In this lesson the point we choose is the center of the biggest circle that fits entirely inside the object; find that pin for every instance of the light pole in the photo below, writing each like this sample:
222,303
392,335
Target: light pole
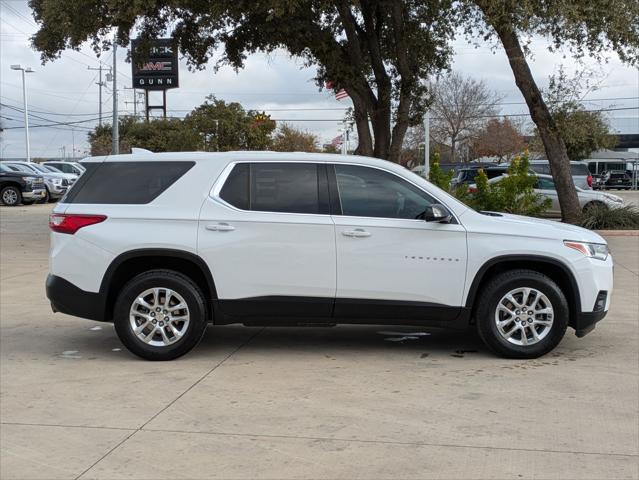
26,112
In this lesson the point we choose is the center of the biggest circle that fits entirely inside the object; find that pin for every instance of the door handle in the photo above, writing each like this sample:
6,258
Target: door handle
357,233
220,227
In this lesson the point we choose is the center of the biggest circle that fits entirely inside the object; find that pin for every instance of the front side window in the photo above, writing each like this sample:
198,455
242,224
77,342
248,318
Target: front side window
274,187
545,184
369,192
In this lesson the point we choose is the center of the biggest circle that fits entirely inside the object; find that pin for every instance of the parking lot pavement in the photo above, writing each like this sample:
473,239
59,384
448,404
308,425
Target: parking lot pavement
306,402
630,197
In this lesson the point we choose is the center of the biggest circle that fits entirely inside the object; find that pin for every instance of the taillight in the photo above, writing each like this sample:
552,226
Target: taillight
71,223
589,180
472,189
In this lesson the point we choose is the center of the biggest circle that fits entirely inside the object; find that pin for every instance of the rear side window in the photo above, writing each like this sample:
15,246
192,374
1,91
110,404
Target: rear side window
579,169
540,168
131,183
277,187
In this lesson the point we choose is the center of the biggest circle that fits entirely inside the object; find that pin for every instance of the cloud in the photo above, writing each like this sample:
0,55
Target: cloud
66,91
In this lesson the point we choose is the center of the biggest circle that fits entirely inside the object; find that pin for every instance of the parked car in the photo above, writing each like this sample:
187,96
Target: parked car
19,187
617,179
545,187
162,244
56,184
597,182
74,168
465,176
581,175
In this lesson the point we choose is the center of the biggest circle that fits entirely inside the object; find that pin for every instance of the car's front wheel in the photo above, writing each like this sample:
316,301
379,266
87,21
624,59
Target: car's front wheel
10,196
521,314
160,315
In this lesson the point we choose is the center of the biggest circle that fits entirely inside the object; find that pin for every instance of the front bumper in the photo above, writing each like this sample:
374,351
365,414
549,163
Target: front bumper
586,322
67,298
35,194
57,191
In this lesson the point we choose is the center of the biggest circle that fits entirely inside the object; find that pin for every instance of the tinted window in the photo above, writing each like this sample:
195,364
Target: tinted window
579,169
495,172
126,182
540,168
236,188
284,187
369,192
545,184
274,187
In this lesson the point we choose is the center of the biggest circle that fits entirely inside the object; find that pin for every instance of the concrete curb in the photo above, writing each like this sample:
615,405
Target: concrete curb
618,233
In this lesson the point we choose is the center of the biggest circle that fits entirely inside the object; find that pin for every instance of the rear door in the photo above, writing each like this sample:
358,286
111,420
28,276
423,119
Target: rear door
269,240
390,264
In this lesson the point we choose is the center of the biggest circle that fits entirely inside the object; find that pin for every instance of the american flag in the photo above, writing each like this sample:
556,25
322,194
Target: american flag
339,95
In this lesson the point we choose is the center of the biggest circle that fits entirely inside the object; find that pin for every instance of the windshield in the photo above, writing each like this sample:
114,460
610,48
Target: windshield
39,168
20,168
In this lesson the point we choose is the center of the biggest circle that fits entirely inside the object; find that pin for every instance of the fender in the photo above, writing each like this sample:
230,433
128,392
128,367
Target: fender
107,279
574,302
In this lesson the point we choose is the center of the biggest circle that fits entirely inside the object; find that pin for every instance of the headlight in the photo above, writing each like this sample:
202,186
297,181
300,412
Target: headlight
29,179
613,198
593,250
57,181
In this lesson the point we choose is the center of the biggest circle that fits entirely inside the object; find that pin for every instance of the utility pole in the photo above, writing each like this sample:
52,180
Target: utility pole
426,144
344,138
135,100
26,110
115,133
100,84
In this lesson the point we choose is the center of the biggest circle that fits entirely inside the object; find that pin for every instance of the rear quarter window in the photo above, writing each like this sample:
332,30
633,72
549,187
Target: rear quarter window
132,183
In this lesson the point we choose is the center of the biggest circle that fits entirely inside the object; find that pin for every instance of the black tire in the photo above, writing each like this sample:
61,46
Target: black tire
180,284
10,196
46,198
489,298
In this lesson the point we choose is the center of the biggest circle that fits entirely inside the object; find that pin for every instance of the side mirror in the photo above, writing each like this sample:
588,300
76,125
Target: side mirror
436,213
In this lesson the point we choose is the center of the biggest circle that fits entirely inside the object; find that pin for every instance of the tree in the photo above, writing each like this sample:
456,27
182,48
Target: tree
583,131
581,27
158,135
459,109
380,52
227,126
499,138
214,125
290,139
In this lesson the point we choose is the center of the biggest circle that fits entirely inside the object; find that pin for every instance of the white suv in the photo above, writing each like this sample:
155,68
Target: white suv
162,244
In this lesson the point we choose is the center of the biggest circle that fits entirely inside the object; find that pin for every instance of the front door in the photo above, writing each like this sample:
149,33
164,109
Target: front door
546,188
269,241
391,264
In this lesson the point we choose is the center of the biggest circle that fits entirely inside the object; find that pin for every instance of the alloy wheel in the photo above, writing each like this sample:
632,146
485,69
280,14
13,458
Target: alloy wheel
524,316
159,316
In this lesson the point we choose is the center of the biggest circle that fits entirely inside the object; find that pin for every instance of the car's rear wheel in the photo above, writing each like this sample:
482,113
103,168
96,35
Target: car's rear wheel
160,315
10,196
521,314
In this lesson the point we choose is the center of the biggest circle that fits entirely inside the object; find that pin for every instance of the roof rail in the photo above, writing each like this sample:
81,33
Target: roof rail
138,151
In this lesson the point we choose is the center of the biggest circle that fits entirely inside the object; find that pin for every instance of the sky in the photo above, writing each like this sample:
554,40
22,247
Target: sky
65,90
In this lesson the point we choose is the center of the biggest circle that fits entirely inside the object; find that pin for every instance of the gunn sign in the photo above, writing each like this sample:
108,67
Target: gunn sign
158,70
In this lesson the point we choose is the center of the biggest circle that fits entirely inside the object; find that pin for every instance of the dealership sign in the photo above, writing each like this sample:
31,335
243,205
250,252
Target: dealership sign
158,70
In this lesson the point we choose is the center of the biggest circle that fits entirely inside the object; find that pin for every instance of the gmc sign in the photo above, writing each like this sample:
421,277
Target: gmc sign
158,70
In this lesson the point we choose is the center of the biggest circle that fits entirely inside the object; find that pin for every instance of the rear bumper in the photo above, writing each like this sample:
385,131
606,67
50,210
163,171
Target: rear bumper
67,298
